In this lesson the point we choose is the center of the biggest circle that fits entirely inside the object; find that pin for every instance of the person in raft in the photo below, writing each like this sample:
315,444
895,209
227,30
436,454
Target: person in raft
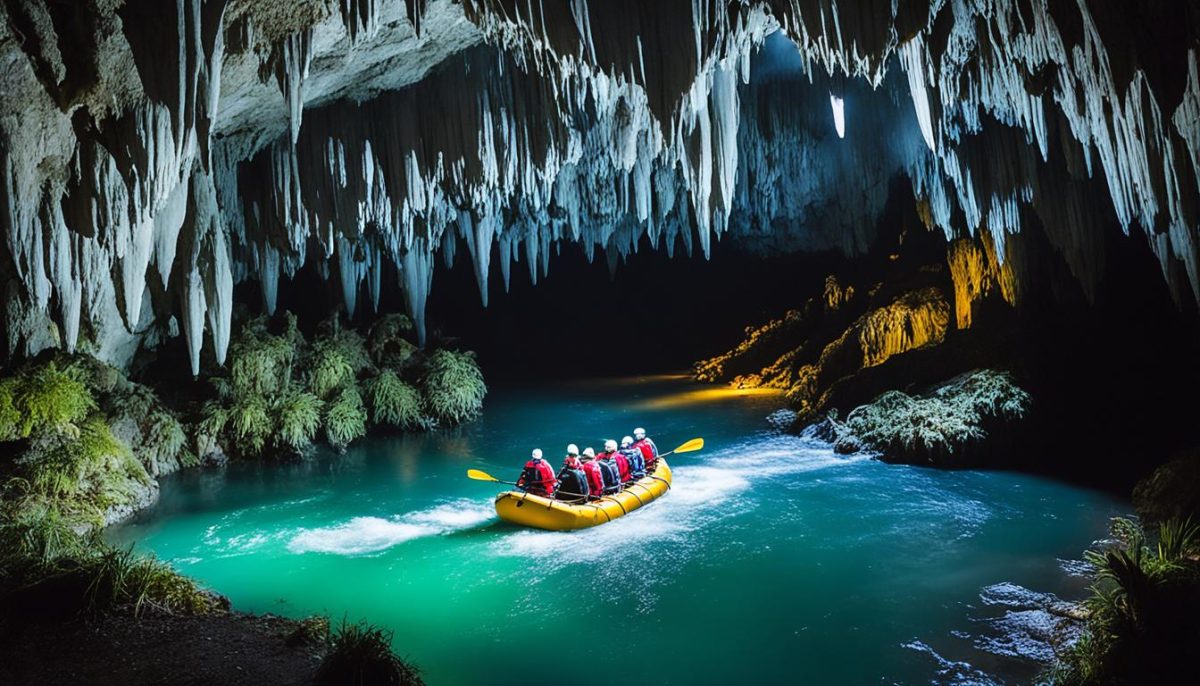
616,457
538,476
572,481
608,468
634,457
644,443
591,469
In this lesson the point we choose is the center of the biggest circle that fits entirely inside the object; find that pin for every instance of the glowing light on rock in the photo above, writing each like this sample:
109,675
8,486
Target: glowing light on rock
839,114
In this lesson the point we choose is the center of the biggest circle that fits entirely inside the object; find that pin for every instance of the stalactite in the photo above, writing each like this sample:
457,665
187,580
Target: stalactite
604,124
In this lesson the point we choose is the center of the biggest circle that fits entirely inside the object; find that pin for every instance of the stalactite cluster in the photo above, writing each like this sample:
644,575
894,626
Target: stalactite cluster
153,154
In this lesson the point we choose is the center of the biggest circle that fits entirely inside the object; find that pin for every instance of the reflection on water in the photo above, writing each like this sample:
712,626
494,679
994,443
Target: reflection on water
771,560
712,394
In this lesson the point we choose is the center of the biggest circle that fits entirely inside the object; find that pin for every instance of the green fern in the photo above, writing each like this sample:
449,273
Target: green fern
52,399
395,402
250,424
299,417
345,419
329,369
453,387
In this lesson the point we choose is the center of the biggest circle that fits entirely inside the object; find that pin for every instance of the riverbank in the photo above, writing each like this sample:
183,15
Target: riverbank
221,649
85,447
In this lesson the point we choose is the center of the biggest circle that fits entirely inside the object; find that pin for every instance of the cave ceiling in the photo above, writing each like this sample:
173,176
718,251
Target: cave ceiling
153,153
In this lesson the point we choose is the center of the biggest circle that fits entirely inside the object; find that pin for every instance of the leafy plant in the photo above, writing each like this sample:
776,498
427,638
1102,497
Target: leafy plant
345,418
1177,538
51,399
250,424
395,402
261,363
329,369
453,387
362,654
164,446
299,417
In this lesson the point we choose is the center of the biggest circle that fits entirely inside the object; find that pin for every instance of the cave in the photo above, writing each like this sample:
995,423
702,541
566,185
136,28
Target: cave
877,324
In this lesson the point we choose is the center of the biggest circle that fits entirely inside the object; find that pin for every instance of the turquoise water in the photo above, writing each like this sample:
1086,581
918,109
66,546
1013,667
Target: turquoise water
772,560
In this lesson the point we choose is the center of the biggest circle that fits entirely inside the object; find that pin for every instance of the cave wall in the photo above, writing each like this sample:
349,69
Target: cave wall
153,154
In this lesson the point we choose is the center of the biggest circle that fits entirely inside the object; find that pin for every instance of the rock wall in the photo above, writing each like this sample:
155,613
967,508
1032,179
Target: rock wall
154,153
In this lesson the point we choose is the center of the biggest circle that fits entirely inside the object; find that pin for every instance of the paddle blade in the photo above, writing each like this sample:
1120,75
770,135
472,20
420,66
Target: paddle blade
480,476
692,445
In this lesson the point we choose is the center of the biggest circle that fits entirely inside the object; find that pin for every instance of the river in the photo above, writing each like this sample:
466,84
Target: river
772,559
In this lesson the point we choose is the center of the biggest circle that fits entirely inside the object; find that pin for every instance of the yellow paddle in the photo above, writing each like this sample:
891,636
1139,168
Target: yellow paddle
691,446
484,476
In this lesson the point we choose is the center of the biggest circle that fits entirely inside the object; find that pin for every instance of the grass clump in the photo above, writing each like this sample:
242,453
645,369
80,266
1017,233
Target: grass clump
1144,610
362,654
454,387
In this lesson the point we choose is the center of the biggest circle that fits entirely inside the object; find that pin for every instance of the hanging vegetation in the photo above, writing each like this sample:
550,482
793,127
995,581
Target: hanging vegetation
282,392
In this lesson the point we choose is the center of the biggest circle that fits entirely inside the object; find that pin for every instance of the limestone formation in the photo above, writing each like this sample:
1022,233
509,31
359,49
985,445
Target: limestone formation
153,153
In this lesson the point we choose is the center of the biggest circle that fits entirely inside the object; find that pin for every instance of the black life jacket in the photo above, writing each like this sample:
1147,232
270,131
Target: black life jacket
611,474
637,463
572,484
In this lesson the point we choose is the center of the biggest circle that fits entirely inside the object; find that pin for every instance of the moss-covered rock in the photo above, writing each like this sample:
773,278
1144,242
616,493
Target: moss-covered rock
947,427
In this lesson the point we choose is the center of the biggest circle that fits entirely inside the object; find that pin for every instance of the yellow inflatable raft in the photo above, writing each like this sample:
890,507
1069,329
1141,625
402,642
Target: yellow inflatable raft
545,513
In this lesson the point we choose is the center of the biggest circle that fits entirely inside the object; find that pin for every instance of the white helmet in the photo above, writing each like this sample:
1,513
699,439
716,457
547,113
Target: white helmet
610,445
626,442
572,449
588,452
639,433
537,453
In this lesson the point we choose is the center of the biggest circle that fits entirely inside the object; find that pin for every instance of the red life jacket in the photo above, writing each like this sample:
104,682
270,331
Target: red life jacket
545,482
622,465
595,479
648,450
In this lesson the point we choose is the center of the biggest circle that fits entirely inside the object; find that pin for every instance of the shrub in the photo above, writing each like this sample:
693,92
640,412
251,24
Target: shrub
213,419
1142,613
395,402
299,416
250,424
261,363
164,445
453,387
329,369
51,399
362,654
59,466
345,418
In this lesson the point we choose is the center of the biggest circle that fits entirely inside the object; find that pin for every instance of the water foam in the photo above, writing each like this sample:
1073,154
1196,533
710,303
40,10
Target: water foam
363,535
701,495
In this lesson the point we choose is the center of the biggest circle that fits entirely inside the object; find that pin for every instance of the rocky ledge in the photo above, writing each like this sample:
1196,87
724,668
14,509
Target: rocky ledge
958,423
